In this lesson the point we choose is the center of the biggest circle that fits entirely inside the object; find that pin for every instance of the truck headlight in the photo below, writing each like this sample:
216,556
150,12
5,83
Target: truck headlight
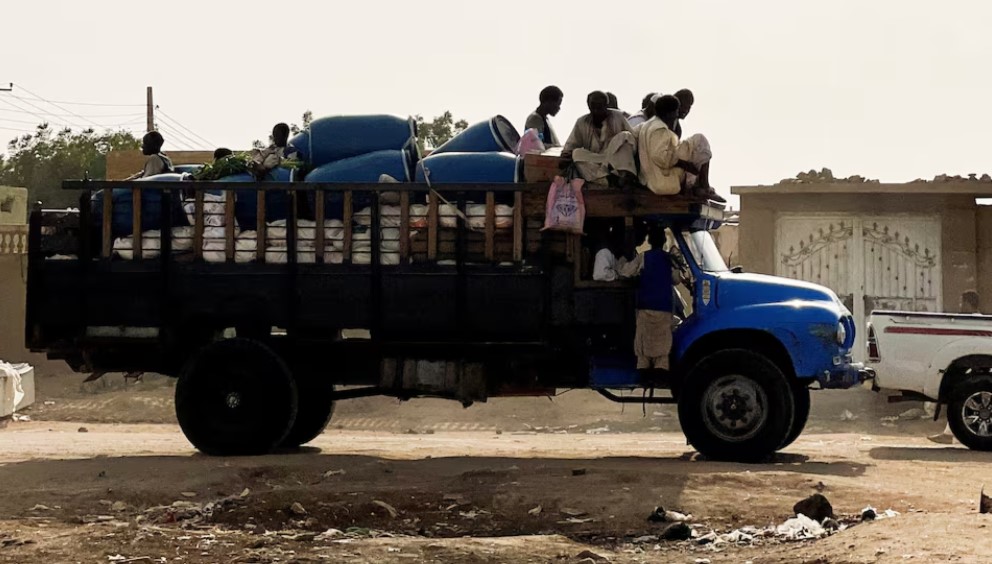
841,333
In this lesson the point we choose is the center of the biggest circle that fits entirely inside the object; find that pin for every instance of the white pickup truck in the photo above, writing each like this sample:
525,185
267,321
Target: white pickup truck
941,358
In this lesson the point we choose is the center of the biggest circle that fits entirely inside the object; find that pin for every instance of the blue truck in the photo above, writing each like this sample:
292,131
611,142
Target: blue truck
411,290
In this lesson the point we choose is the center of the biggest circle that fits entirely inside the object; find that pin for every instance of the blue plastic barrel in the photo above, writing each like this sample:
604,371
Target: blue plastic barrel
340,137
301,141
122,218
246,201
455,168
493,135
363,168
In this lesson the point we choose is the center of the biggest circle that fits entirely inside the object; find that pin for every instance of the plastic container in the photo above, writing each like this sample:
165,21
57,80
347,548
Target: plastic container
340,137
246,202
493,135
122,221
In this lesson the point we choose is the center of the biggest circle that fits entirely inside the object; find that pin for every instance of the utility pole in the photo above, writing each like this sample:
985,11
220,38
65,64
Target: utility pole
150,126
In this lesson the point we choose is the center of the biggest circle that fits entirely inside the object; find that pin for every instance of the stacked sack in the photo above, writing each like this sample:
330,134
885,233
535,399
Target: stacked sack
362,149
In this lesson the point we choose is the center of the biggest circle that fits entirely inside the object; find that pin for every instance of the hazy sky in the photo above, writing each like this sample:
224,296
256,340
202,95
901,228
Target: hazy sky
887,89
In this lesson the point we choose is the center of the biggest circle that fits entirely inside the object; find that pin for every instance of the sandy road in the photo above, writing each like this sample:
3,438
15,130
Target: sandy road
447,486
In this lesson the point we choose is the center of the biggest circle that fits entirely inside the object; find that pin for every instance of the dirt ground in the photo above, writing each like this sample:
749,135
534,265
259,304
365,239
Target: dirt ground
102,474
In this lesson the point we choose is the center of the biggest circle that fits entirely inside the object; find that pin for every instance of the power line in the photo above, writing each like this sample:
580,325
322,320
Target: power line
43,119
57,106
132,114
91,104
180,140
176,122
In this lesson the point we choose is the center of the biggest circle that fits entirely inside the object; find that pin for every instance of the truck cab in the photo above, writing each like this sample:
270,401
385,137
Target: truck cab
267,328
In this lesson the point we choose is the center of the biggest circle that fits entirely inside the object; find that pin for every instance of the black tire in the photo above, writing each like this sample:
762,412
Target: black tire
236,397
800,397
969,412
314,413
730,387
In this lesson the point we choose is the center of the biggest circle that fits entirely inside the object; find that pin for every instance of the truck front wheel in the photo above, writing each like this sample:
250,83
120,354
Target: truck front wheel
969,413
236,397
736,405
800,396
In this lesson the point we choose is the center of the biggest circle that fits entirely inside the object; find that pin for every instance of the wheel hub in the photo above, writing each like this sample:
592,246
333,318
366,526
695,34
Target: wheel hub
734,408
977,414
232,400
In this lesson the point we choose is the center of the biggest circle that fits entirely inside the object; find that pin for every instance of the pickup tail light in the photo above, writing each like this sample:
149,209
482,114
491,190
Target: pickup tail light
873,353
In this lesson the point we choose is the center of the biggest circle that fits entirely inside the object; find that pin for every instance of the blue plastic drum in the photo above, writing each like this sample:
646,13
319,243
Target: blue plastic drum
122,219
340,137
363,168
494,135
455,168
301,141
246,201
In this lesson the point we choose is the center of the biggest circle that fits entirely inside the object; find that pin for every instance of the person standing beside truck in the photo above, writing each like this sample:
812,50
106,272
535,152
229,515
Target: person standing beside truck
655,302
969,306
550,104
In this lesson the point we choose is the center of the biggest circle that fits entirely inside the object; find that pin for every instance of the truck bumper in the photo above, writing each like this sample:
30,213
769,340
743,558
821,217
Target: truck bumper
845,376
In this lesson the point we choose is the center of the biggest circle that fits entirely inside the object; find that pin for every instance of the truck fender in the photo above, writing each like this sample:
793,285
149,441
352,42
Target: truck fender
973,348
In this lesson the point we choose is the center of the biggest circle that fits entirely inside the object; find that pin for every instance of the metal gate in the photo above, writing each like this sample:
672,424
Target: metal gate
872,262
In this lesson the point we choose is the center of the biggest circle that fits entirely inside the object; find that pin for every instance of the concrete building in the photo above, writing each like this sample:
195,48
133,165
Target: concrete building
13,272
914,246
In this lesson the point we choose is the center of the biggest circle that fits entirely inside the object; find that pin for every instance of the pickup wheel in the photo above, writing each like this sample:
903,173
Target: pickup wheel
800,396
736,405
969,413
314,413
236,397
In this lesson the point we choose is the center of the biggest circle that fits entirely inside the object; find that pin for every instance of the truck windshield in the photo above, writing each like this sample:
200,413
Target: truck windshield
705,251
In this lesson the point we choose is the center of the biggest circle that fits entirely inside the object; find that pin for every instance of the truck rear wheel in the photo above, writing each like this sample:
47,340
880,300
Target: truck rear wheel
236,397
969,413
314,413
736,405
800,397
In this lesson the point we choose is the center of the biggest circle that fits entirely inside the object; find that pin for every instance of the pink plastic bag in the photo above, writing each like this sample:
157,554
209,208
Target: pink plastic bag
566,208
529,142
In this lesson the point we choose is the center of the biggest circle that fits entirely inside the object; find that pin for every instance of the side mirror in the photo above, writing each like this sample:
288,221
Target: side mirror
737,270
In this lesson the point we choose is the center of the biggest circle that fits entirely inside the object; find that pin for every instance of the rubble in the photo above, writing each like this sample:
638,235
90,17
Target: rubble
911,414
826,175
800,527
389,508
297,509
816,507
661,515
676,532
590,555
984,502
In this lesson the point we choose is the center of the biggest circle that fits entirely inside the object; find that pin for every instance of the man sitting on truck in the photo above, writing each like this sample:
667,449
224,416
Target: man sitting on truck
602,145
156,162
655,302
668,166
550,104
646,113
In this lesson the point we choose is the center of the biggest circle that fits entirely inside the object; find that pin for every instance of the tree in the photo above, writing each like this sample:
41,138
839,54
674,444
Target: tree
432,134
40,161
307,120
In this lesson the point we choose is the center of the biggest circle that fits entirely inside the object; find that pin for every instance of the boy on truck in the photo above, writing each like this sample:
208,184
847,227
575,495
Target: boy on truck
156,162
